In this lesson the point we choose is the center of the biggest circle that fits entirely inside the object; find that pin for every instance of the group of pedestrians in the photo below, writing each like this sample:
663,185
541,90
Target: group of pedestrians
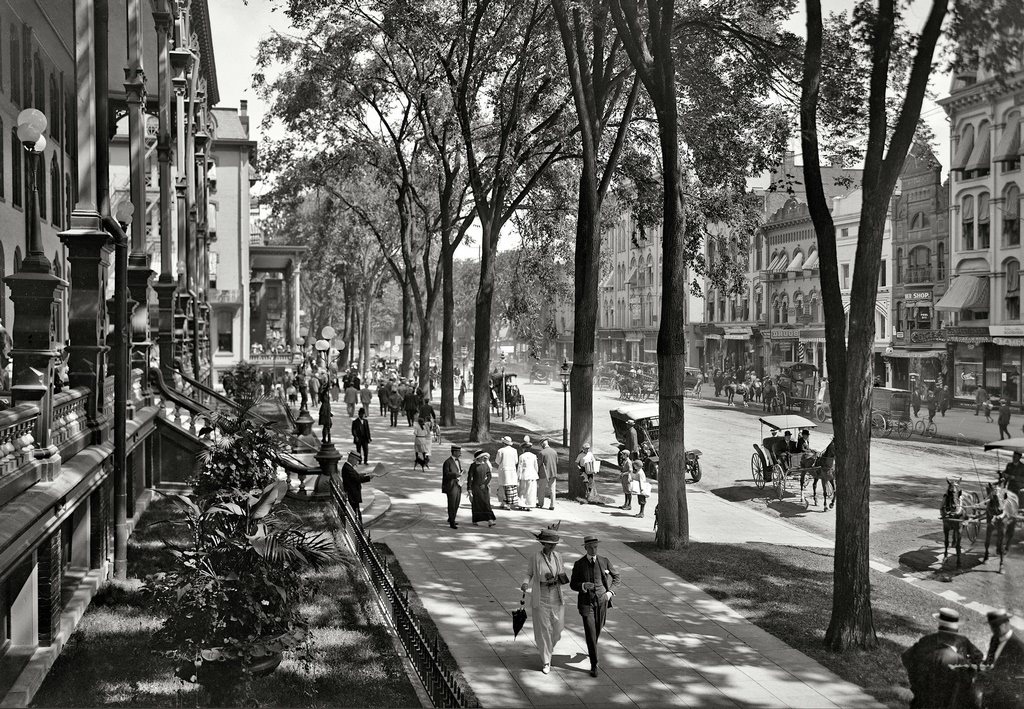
946,669
401,395
594,580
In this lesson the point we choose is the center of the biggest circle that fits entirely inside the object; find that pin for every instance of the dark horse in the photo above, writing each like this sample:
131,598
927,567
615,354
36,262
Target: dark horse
954,512
821,466
1001,515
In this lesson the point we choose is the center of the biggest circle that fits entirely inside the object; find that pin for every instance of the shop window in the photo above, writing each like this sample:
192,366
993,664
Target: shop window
983,221
967,222
941,259
225,331
1013,290
1011,216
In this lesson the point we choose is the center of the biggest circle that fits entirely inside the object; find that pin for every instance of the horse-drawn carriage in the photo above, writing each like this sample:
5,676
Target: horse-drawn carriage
796,387
542,371
638,382
890,415
998,504
693,382
513,399
607,374
644,420
779,462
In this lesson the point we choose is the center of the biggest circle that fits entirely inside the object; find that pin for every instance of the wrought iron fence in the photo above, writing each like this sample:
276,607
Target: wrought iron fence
436,675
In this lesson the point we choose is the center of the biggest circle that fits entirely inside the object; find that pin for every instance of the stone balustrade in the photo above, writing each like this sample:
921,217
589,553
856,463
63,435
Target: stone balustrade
16,439
70,415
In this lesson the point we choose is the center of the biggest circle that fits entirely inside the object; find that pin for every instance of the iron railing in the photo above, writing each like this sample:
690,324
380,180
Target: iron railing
436,675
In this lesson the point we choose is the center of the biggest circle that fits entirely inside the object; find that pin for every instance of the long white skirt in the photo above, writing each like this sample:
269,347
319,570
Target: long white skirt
548,621
528,493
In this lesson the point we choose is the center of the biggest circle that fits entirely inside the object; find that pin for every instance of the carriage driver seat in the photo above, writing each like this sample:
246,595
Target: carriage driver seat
778,451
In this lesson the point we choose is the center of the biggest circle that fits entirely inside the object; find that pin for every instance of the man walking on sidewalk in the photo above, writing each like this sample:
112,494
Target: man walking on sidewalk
548,470
594,579
361,436
451,484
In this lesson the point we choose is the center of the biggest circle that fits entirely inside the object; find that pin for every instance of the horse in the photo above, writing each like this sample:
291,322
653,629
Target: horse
1001,516
822,468
953,513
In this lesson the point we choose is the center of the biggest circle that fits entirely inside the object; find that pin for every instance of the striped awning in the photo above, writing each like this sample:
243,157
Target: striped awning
779,264
965,293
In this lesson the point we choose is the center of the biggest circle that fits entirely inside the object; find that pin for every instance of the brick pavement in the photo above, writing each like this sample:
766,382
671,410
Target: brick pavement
667,643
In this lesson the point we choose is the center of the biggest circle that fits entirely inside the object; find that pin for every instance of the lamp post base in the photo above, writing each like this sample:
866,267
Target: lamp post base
303,423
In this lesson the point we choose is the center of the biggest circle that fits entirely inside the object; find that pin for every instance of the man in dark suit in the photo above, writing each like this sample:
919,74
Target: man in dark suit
352,482
1003,678
929,663
594,579
451,484
361,435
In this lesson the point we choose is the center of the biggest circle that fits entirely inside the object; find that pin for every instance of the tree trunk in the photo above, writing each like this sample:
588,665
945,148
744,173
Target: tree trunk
408,329
673,515
367,307
480,430
581,377
426,341
447,382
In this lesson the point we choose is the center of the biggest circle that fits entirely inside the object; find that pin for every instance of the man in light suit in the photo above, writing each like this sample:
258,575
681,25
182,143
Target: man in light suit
594,579
451,483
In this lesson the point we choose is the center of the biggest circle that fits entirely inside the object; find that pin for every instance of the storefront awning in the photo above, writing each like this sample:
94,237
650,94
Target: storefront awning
812,262
965,292
738,333
797,263
606,282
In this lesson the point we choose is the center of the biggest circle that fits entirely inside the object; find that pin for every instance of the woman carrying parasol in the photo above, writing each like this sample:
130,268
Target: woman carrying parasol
544,578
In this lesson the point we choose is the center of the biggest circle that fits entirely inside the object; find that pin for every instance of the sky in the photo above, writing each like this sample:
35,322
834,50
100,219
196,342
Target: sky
239,26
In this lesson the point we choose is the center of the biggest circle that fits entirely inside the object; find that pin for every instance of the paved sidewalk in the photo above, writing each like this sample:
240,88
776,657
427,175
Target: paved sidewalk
667,643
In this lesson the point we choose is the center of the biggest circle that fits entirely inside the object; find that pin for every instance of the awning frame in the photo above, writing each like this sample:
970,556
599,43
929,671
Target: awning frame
965,292
1009,143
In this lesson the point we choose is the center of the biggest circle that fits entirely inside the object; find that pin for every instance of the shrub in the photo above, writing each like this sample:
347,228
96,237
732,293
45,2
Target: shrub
242,383
242,455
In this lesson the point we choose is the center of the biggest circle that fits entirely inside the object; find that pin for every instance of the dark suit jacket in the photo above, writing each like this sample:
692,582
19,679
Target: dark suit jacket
1003,685
361,430
582,572
927,662
352,482
450,475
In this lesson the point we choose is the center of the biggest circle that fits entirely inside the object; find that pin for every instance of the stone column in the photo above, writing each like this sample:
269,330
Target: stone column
99,520
49,604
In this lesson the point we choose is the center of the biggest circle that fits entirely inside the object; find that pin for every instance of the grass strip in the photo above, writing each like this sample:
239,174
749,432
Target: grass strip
109,660
404,585
787,591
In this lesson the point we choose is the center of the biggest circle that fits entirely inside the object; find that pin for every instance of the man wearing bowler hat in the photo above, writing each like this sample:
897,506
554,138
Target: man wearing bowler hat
930,663
594,579
451,483
352,482
1003,679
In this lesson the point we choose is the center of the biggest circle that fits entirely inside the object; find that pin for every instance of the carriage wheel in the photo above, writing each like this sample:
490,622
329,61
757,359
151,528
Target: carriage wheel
695,471
973,525
878,425
819,413
919,427
757,471
931,429
779,480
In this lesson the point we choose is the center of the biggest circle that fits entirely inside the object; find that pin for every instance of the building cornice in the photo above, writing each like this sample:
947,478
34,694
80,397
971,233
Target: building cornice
981,92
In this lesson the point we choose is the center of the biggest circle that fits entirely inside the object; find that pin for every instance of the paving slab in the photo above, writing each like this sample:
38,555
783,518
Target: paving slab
666,642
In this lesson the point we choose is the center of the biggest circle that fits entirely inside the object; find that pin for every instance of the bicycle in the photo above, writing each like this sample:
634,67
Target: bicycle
925,428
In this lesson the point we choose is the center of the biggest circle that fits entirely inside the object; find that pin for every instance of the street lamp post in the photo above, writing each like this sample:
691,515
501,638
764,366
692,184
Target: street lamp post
564,374
502,385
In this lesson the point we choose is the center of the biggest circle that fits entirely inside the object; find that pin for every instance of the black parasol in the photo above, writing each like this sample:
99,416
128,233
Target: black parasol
519,617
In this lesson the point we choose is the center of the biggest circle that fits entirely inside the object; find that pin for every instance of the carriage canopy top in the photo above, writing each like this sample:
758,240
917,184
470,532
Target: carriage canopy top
1010,444
789,421
641,411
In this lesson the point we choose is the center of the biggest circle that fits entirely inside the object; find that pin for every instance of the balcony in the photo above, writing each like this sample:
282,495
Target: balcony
920,274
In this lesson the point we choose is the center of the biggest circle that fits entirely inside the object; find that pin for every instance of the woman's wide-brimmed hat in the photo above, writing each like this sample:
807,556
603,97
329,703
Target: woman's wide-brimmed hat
547,536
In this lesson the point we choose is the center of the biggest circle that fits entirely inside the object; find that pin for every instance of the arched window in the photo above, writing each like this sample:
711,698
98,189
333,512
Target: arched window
650,270
17,259
967,223
776,311
2,181
69,203
1013,289
814,309
919,221
983,221
56,193
16,171
785,309
1011,215
880,333
757,252
899,316
54,126
919,266
940,258
899,265
41,185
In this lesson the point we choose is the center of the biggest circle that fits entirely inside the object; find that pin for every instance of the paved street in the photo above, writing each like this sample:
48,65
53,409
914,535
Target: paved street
667,643
908,480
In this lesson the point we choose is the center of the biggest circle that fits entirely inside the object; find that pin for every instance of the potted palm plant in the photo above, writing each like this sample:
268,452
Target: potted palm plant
241,454
232,599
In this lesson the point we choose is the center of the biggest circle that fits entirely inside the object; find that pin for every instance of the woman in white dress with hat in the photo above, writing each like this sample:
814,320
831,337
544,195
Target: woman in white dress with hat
544,579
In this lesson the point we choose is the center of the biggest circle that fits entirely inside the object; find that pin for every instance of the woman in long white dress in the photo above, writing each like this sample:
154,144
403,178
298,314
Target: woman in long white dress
422,444
544,579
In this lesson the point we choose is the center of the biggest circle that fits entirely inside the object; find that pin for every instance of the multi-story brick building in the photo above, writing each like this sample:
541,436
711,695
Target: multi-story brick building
985,338
920,242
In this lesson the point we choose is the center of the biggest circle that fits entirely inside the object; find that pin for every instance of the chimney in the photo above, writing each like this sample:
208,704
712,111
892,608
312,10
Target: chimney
243,115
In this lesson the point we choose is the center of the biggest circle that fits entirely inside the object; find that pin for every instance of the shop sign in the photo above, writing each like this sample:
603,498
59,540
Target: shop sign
923,295
1006,330
928,336
963,335
738,333
1009,341
784,334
